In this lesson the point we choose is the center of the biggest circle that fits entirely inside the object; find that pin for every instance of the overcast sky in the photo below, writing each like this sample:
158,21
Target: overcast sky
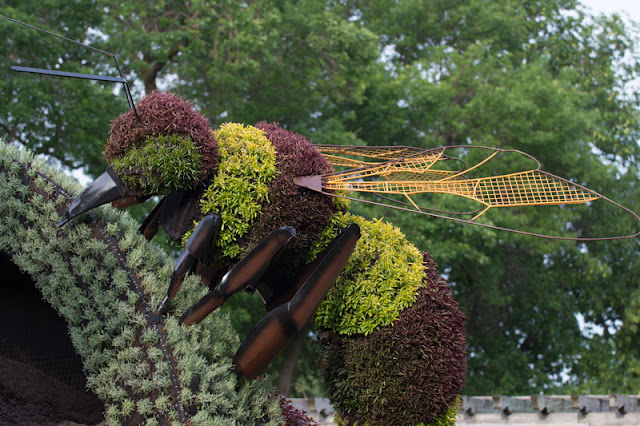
630,7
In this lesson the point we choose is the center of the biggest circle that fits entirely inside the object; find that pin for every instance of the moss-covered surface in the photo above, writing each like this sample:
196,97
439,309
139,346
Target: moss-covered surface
159,165
102,278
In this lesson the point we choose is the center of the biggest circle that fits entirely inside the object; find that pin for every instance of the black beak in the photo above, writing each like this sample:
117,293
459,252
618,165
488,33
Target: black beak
107,187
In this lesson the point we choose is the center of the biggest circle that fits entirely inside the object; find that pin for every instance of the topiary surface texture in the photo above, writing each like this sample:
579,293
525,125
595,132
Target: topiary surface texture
162,114
408,373
396,351
396,347
102,277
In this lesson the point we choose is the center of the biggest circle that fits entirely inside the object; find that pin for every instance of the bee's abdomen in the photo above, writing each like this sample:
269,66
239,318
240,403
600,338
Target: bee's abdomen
306,211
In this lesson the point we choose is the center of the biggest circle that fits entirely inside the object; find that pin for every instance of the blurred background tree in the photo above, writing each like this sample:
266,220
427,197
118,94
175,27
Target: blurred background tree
542,76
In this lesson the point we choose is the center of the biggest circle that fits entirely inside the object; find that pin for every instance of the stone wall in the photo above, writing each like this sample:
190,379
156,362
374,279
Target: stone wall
587,410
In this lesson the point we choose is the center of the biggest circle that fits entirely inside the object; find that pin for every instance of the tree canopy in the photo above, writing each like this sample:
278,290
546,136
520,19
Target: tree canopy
545,77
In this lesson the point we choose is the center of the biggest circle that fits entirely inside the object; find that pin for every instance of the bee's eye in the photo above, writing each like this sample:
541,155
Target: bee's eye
160,164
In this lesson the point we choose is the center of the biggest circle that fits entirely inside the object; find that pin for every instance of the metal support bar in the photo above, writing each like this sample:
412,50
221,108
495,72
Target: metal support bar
69,74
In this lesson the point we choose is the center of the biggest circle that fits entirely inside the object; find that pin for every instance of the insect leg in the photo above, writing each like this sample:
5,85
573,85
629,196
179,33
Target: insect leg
151,223
243,275
274,330
197,249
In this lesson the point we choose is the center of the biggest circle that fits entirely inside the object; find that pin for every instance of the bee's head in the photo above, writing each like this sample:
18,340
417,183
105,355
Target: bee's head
170,147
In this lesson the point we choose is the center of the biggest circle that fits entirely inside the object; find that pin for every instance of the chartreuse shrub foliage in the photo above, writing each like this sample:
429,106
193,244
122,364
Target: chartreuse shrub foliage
240,186
396,354
380,280
102,277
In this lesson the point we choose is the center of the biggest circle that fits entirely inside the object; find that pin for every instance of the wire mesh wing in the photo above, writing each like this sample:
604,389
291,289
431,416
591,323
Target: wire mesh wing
340,155
528,188
419,172
393,163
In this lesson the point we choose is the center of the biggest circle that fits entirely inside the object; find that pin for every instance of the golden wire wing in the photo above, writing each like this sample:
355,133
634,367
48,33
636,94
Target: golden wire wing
533,187
393,163
418,172
341,155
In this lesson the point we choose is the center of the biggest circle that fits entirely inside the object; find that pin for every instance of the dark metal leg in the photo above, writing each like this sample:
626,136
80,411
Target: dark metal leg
197,249
244,275
151,223
273,332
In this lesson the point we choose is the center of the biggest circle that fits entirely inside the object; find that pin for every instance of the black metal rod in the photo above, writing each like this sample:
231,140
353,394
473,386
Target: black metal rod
77,75
69,74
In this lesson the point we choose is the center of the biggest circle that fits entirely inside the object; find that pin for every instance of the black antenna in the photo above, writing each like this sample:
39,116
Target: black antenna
120,79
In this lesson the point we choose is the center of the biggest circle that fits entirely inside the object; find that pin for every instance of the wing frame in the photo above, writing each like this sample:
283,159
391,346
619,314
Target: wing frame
559,191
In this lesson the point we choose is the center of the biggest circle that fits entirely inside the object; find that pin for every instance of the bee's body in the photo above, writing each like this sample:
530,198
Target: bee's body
249,183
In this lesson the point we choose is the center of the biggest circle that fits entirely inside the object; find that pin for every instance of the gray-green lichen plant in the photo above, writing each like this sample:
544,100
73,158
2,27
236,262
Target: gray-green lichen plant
102,277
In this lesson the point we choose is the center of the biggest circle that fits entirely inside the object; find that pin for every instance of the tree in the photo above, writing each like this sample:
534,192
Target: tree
279,61
64,118
549,79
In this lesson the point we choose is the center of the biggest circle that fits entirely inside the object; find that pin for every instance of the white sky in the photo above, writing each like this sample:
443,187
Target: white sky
630,7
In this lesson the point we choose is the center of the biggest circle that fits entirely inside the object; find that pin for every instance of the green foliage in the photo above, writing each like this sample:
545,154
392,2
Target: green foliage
381,279
65,118
160,165
128,358
274,54
247,165
245,62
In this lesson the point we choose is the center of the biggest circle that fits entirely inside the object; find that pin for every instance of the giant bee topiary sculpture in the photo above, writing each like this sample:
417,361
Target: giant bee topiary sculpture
253,207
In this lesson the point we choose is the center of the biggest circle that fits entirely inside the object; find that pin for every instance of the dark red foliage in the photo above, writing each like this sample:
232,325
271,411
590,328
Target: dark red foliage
163,113
305,210
421,358
292,416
